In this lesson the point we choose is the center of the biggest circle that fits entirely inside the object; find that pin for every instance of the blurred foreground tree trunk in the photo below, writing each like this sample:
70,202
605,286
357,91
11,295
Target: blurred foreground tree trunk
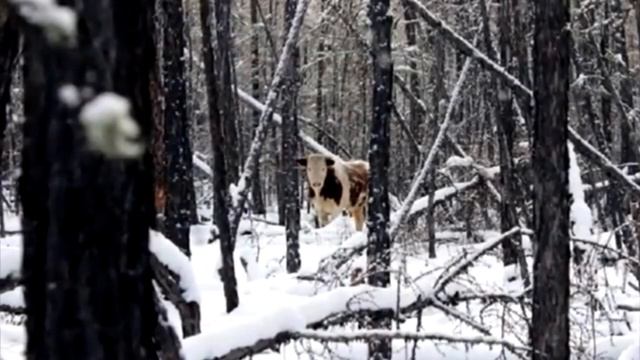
86,219
550,324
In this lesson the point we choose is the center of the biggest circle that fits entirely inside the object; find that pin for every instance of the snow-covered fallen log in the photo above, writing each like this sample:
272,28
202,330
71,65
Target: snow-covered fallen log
175,260
174,275
244,335
241,338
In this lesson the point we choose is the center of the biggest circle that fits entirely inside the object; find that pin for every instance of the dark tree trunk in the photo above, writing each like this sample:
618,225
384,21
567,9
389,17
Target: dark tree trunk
412,28
550,326
88,287
506,135
290,173
379,242
257,196
220,193
180,195
226,82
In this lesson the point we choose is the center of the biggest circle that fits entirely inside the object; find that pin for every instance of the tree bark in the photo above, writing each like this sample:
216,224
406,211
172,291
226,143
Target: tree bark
220,192
180,195
550,326
226,102
290,144
506,137
257,196
379,241
88,283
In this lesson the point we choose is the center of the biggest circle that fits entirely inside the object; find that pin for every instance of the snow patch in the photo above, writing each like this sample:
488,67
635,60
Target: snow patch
57,22
13,298
109,127
10,262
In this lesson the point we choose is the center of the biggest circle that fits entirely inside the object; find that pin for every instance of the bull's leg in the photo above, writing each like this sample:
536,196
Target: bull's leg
358,217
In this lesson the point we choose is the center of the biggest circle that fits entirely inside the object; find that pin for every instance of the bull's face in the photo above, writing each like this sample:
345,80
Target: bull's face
316,166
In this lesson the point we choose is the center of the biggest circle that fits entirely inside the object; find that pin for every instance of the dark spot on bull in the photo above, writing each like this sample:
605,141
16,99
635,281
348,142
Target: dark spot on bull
312,193
302,162
332,188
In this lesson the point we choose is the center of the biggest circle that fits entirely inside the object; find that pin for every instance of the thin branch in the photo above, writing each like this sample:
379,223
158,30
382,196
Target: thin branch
244,183
403,213
367,335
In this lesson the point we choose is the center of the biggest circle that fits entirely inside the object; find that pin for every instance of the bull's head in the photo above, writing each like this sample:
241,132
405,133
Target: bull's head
316,166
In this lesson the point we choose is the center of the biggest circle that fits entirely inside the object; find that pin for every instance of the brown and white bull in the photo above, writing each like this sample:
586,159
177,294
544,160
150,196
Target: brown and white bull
335,186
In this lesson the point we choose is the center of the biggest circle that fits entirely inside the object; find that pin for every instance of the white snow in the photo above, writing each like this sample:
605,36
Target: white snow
632,352
109,127
177,261
457,161
13,298
57,22
69,95
10,258
580,211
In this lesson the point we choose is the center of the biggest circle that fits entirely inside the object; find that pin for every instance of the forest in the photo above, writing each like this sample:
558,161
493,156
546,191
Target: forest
326,179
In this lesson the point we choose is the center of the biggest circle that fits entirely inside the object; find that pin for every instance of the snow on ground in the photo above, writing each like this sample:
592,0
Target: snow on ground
272,300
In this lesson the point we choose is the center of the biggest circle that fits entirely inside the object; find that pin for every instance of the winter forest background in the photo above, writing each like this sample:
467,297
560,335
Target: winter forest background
152,206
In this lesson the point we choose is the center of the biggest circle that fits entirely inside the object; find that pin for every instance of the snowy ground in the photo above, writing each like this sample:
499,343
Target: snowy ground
273,300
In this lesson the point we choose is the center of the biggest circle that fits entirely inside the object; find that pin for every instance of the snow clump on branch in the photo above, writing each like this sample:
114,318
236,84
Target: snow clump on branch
109,127
58,23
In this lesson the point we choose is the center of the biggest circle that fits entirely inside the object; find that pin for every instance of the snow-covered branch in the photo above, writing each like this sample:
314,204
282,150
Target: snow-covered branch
176,261
462,266
308,140
351,248
582,146
404,211
284,63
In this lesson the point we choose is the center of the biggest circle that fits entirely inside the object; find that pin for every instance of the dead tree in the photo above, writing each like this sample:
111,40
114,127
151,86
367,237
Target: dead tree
220,193
290,182
550,326
379,240
88,206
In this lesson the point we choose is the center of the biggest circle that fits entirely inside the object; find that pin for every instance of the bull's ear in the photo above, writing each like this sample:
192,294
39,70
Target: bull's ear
302,162
329,161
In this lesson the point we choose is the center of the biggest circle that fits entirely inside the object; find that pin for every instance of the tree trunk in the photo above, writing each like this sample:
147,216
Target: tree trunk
225,89
506,135
220,192
290,150
550,326
180,196
257,192
379,247
88,286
